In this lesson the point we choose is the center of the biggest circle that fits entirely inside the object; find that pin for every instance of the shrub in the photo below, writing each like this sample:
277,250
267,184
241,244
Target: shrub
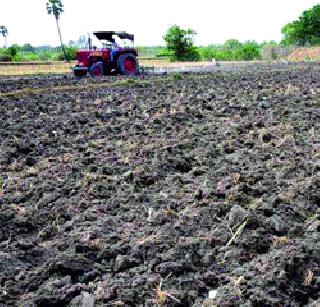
232,44
150,52
27,56
248,51
207,53
46,56
70,53
5,58
177,76
28,48
165,54
12,51
216,52
180,43
231,50
8,54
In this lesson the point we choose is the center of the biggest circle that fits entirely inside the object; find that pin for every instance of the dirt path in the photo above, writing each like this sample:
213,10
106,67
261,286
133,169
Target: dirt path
61,67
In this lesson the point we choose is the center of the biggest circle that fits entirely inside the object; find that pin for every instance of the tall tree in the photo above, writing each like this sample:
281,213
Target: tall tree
180,42
4,33
305,30
55,8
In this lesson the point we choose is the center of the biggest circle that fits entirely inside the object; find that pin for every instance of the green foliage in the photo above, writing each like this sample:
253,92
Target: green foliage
17,47
180,44
305,30
12,51
165,54
47,55
248,51
39,54
55,8
177,76
4,31
232,44
27,57
28,48
269,44
215,52
151,52
231,50
70,53
8,54
4,57
131,81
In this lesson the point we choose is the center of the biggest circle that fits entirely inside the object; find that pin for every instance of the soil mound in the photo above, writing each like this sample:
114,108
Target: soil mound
305,54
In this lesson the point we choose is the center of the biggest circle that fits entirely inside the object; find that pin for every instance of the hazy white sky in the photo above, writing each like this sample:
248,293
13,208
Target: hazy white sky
214,20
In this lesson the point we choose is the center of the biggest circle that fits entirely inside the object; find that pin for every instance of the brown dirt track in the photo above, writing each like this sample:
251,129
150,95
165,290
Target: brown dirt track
206,181
31,68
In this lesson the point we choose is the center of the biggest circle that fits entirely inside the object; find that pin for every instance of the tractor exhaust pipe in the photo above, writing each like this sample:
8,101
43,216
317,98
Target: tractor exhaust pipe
89,41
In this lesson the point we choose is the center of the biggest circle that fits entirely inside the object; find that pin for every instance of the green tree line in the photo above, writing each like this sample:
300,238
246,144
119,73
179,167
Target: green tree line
28,53
305,31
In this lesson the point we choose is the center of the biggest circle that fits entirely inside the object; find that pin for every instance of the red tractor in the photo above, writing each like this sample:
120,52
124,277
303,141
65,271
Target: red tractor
112,58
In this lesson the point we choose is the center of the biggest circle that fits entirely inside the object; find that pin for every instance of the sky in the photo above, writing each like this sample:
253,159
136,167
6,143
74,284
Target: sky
214,21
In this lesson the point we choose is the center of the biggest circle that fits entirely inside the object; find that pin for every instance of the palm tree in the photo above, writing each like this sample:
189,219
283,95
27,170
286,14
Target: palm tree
55,8
4,33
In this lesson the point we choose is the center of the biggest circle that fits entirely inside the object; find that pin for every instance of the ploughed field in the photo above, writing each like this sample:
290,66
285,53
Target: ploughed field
164,190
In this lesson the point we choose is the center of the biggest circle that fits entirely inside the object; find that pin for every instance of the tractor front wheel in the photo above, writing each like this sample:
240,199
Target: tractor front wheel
128,64
96,69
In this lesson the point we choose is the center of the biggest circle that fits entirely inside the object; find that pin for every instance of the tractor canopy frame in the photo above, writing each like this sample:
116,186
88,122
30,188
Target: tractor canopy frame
107,35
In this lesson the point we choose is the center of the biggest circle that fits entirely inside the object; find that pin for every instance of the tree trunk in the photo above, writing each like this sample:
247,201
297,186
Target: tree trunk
5,41
60,36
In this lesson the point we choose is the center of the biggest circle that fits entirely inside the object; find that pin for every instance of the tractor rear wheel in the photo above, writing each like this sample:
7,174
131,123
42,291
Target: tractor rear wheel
128,64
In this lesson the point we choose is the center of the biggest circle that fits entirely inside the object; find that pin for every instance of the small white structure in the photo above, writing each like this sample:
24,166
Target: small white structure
212,294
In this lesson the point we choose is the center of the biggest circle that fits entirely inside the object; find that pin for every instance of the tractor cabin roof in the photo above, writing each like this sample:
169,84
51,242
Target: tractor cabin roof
107,35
